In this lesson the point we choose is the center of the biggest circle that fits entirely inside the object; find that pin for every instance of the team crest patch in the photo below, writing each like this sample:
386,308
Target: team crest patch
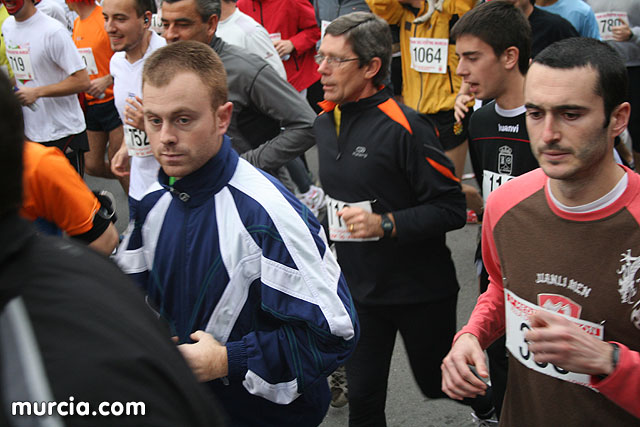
560,304
627,281
505,160
457,128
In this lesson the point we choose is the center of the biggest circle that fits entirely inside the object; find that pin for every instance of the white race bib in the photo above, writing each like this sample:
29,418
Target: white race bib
137,142
89,60
517,312
20,62
491,181
323,27
429,55
338,230
608,20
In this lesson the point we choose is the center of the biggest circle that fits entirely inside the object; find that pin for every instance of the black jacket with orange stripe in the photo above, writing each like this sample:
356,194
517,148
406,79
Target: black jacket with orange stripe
389,154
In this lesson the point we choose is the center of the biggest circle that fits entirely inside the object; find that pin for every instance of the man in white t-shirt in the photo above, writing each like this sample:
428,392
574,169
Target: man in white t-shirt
127,24
48,72
241,30
54,10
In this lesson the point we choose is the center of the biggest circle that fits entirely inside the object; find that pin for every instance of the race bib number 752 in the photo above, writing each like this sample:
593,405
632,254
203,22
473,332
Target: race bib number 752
137,142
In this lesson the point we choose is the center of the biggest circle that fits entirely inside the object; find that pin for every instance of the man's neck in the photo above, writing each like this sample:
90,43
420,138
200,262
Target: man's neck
513,96
84,10
138,51
545,2
227,9
527,10
596,184
27,11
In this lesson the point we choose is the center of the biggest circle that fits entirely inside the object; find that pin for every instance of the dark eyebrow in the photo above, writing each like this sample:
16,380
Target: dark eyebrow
469,53
182,20
565,107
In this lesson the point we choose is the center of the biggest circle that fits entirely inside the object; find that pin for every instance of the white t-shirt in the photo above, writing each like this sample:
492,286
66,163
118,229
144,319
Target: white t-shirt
45,44
243,31
127,82
56,11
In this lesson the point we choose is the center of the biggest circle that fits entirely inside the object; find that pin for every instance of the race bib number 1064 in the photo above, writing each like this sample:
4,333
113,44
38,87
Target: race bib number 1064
429,55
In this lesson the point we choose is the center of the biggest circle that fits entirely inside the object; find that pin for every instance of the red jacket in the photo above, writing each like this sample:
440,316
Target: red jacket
294,20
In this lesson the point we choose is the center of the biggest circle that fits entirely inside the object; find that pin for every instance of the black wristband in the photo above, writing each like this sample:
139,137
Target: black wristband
615,356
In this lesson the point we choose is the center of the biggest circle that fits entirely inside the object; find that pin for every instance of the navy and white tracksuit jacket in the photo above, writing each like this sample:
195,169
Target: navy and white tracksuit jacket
230,251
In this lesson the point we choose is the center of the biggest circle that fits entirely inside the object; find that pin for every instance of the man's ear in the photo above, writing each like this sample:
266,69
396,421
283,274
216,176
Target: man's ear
372,68
620,118
146,17
212,26
223,114
510,56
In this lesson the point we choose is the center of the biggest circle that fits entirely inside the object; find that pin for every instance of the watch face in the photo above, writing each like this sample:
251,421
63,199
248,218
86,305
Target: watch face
387,225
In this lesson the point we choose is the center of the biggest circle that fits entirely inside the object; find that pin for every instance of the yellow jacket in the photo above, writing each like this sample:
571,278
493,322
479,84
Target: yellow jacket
4,62
426,92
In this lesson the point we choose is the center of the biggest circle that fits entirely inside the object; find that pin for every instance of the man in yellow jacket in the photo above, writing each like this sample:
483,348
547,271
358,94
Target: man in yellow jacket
429,63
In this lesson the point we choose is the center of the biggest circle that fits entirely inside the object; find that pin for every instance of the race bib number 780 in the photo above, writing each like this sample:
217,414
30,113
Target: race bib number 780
608,20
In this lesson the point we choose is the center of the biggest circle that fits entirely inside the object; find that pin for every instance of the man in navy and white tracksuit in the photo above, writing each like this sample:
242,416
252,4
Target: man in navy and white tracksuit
239,269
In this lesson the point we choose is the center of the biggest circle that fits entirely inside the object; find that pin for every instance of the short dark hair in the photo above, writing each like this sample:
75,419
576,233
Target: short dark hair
142,6
205,8
368,36
500,25
582,52
11,146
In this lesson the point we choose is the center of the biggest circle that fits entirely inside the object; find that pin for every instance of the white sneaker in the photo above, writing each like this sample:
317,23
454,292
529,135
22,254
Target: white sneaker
313,199
339,388
489,422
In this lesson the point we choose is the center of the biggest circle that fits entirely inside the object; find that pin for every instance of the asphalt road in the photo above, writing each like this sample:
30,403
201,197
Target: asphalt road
406,406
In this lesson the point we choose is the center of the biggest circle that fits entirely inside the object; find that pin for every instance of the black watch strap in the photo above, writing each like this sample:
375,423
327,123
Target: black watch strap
387,225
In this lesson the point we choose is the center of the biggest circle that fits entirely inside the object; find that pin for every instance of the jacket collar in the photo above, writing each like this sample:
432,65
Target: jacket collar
362,104
15,235
197,187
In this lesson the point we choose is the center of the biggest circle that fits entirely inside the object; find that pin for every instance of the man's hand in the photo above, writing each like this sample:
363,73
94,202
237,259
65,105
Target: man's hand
133,115
363,224
458,381
99,85
207,358
120,165
621,33
27,95
474,199
284,47
554,339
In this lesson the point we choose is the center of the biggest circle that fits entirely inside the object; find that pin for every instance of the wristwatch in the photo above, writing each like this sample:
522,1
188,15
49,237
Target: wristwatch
387,225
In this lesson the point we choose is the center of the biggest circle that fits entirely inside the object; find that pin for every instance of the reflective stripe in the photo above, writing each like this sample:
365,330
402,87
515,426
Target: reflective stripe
152,227
241,257
301,245
130,261
280,393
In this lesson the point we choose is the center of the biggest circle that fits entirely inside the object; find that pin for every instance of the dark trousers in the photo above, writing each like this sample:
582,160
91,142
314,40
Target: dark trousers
427,330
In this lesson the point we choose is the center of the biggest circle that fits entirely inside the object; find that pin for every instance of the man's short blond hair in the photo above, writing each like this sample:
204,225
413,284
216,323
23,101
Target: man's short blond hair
187,56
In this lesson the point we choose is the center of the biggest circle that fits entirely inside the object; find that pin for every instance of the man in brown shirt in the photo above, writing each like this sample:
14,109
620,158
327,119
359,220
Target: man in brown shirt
556,241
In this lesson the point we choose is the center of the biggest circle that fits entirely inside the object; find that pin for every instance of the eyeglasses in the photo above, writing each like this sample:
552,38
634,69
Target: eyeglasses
332,61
